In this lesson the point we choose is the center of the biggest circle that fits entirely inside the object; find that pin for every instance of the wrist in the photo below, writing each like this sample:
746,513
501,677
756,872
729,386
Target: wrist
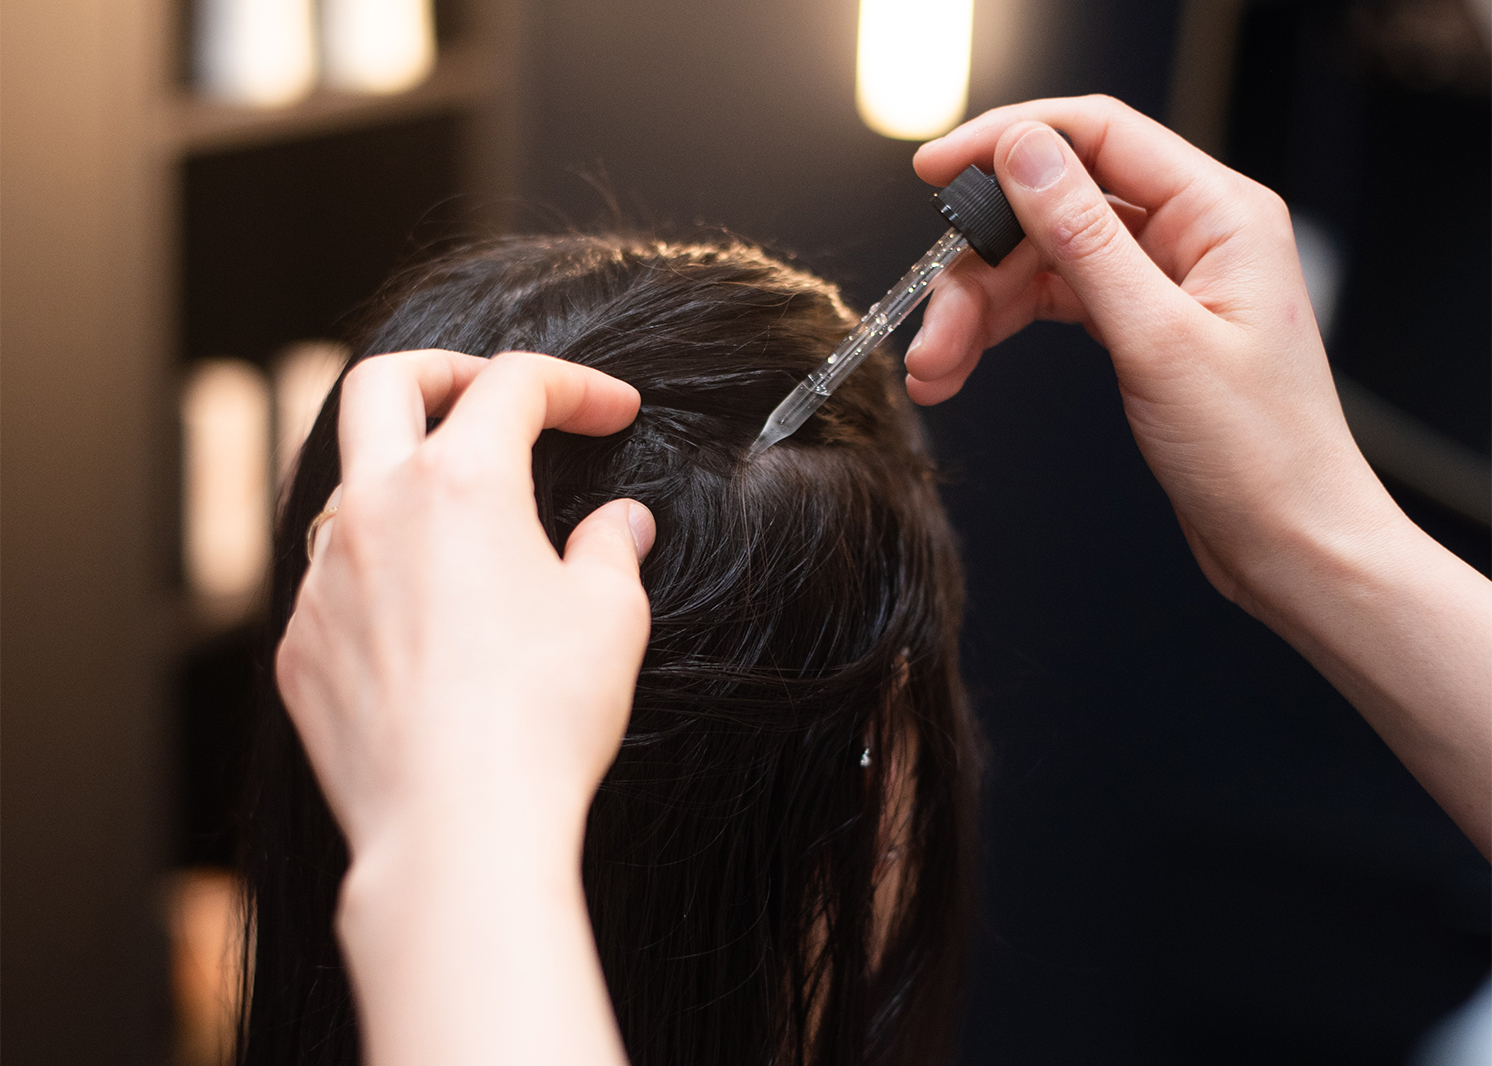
465,946
1339,537
1400,626
497,845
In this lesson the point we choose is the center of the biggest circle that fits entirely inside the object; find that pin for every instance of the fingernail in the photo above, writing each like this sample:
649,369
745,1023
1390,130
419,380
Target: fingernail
640,521
916,343
1037,161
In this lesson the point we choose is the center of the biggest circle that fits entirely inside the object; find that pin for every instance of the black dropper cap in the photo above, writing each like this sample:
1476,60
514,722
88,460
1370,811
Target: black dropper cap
975,205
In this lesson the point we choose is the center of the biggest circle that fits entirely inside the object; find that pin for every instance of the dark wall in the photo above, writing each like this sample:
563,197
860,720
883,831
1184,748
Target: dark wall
1383,140
286,242
1196,851
743,116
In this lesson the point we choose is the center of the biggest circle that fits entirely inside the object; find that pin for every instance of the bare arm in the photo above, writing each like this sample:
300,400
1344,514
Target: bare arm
1403,629
1187,273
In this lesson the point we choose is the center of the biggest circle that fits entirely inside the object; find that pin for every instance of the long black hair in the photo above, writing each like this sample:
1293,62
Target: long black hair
761,891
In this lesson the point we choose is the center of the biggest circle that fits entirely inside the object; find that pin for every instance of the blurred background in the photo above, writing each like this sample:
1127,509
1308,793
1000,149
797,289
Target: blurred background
1195,851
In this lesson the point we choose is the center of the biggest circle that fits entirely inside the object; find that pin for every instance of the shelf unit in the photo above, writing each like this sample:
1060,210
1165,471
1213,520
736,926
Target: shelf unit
101,145
285,220
464,78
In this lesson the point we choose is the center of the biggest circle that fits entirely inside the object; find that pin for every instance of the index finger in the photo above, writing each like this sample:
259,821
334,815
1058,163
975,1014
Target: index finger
386,399
1128,154
518,395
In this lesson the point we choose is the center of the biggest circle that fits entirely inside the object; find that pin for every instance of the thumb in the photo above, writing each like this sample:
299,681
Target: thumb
616,536
1066,215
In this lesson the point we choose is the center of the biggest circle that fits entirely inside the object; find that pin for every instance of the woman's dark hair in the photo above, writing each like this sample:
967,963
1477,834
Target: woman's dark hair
758,895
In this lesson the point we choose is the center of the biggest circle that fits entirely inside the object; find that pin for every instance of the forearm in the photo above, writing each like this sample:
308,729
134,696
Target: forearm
461,953
1403,629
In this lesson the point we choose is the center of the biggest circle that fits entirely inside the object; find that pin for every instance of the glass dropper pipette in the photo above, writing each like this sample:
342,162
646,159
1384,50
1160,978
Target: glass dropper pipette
975,205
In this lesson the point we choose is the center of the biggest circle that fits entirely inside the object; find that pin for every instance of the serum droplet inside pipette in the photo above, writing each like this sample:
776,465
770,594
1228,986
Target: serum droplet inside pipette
975,206
878,324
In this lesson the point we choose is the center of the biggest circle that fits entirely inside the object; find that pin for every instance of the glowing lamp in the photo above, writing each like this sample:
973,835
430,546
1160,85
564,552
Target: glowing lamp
256,52
912,66
377,46
225,475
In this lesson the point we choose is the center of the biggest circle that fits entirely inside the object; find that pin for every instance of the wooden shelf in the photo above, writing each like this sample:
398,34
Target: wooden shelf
192,125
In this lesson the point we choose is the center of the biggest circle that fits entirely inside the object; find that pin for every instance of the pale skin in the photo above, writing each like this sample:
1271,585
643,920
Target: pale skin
1192,283
461,689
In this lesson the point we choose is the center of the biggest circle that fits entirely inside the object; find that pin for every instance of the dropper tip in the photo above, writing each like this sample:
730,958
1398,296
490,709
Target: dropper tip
771,433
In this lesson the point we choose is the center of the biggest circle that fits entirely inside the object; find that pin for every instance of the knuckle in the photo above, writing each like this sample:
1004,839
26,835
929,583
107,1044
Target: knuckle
361,374
288,667
521,367
633,607
453,471
1273,206
354,541
1264,202
356,534
1175,330
521,375
1085,230
1270,215
637,596
1107,108
620,592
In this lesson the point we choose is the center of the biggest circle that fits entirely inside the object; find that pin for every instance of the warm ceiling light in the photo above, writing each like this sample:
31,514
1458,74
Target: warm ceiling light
378,46
256,52
912,70
226,493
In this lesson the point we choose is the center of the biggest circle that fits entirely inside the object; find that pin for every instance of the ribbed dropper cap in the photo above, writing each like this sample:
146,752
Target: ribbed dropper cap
975,205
